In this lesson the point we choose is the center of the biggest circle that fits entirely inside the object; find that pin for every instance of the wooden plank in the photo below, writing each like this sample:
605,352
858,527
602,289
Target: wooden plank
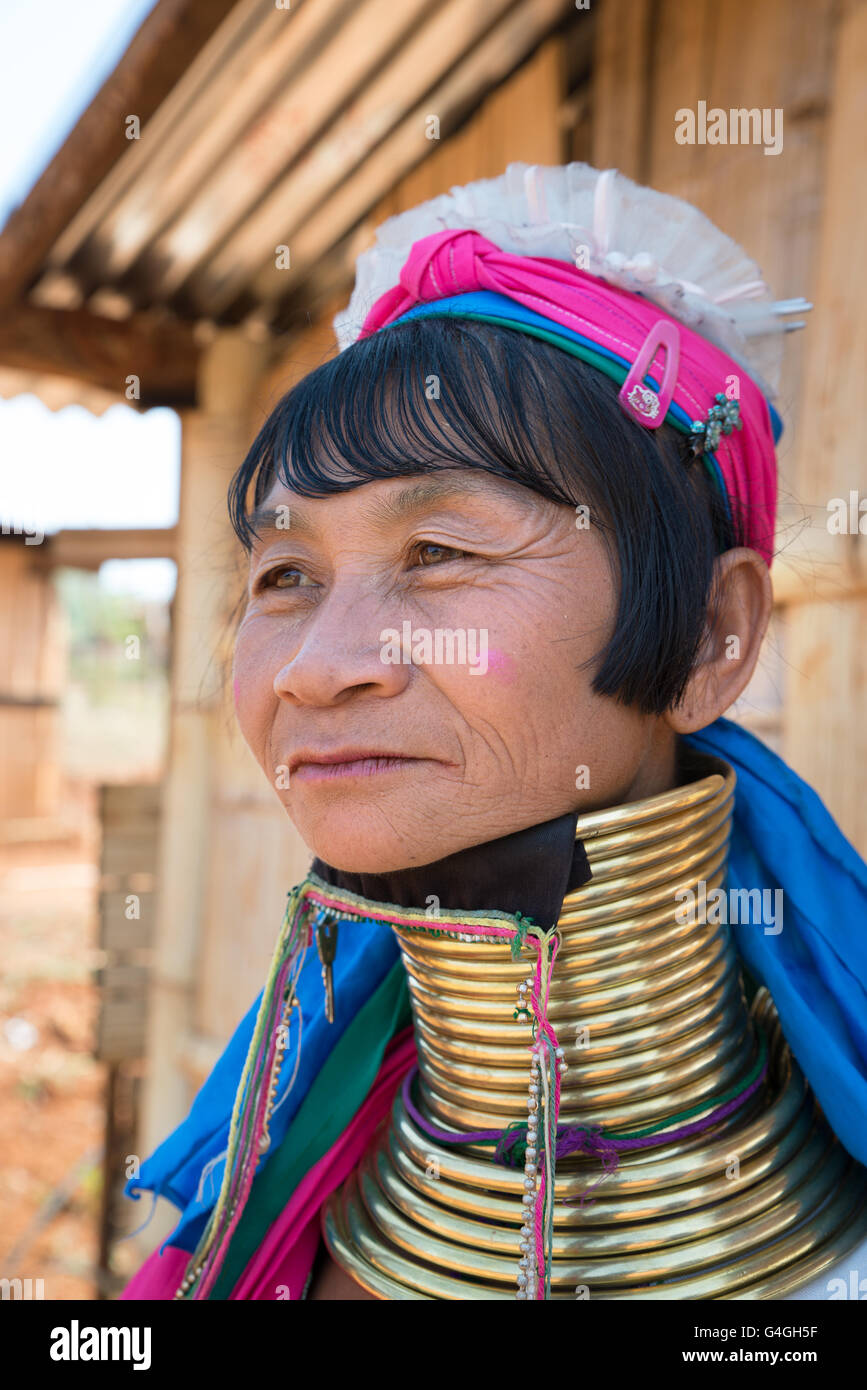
29,757
124,853
831,455
31,830
769,204
484,68
120,933
342,63
123,1012
86,549
301,354
621,97
129,817
163,354
825,730
824,727
214,439
123,801
392,90
30,686
681,39
518,121
33,649
811,578
168,40
205,115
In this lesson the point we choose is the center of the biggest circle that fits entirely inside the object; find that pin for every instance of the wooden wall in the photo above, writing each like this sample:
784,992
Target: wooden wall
802,214
31,639
519,121
825,712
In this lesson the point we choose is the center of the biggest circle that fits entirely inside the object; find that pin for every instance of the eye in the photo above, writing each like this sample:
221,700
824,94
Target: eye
429,553
284,577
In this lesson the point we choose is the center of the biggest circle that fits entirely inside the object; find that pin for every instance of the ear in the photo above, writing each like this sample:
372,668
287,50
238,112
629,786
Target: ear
737,619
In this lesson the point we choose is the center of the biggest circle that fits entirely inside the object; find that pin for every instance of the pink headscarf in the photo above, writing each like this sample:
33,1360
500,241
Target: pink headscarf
461,261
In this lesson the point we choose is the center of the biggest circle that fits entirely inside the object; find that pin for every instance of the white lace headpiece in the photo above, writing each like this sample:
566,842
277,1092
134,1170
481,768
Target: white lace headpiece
634,237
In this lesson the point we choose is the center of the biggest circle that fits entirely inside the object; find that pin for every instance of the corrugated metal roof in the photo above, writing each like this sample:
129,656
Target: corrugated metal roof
285,129
55,392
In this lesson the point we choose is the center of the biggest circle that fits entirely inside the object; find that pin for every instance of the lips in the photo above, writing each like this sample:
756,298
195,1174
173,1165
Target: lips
331,758
352,769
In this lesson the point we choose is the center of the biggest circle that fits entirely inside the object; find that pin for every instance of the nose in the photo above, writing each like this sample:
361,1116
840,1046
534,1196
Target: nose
340,656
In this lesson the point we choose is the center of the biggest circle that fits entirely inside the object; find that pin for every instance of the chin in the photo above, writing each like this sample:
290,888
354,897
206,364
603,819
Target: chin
348,840
356,857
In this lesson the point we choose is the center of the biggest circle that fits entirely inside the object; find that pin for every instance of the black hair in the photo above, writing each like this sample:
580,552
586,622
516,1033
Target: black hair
436,393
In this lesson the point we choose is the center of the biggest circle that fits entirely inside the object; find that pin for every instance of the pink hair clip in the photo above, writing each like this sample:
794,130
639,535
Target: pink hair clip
645,405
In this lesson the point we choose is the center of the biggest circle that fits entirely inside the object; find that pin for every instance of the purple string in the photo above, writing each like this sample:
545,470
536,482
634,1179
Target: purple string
594,1143
446,1136
572,1139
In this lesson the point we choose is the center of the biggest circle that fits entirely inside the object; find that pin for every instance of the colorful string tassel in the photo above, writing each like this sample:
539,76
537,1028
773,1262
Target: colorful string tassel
547,1064
254,1100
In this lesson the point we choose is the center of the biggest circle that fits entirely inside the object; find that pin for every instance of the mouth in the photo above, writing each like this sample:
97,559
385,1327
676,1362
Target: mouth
346,763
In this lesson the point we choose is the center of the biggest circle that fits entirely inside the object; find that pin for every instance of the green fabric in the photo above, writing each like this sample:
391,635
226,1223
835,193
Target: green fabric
617,373
595,359
604,364
327,1109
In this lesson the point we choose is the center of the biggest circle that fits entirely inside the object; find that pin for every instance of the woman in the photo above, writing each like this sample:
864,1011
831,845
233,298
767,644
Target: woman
590,1020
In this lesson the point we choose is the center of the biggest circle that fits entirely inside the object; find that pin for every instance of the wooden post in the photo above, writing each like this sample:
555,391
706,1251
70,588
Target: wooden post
621,96
215,438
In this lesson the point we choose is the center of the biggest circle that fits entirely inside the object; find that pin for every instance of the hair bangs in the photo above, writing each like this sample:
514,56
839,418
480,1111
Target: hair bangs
422,396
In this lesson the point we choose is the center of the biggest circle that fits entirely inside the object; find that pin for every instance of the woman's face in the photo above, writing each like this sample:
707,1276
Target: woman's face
413,669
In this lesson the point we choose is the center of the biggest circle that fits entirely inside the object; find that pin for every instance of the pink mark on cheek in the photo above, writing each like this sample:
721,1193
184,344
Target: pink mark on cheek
501,665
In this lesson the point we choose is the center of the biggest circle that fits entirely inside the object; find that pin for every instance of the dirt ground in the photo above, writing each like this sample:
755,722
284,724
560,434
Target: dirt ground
51,1088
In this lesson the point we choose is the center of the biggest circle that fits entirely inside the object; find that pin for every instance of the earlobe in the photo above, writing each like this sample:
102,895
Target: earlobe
737,619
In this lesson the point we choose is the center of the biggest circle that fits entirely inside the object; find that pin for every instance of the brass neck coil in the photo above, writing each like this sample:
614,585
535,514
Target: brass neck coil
649,1007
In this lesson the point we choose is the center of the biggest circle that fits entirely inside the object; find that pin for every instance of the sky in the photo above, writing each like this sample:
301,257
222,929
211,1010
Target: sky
70,468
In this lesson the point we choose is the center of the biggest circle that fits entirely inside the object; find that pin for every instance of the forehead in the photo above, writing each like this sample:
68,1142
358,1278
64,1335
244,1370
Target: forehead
386,502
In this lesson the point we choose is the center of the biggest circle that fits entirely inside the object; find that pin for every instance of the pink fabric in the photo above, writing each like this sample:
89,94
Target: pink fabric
280,1267
159,1276
462,261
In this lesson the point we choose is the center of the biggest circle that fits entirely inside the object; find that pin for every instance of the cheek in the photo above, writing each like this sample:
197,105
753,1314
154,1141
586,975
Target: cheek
502,668
253,690
537,692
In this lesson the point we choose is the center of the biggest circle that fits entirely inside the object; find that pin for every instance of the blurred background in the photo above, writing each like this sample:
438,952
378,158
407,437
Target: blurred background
184,188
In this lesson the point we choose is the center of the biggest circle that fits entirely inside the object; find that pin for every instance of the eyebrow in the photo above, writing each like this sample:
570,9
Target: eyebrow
265,519
409,502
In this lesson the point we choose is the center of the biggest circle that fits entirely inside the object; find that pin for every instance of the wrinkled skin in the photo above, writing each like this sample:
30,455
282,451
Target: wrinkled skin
478,755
